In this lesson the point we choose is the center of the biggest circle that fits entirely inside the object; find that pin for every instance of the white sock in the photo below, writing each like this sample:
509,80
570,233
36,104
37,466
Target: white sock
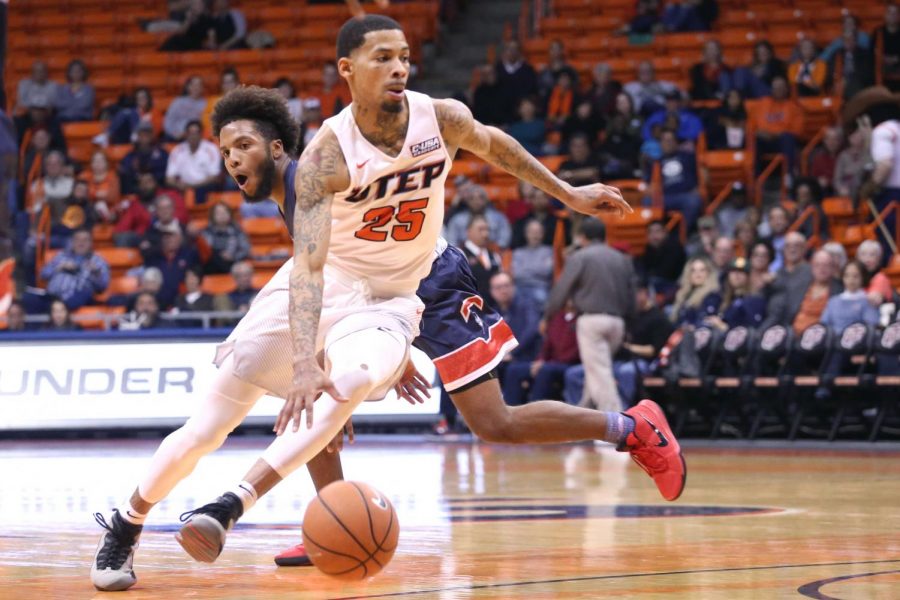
127,512
247,493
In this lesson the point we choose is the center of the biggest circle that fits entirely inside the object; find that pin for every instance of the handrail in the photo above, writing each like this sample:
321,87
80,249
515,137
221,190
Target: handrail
677,220
559,243
713,206
892,206
656,192
803,217
109,318
761,178
808,149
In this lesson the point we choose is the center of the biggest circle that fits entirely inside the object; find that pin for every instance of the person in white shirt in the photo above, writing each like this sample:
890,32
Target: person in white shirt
195,164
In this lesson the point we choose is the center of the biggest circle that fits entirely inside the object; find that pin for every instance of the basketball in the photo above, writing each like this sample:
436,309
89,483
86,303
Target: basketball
350,530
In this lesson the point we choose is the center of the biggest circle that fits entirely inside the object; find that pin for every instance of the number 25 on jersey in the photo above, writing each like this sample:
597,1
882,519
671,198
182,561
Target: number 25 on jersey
409,217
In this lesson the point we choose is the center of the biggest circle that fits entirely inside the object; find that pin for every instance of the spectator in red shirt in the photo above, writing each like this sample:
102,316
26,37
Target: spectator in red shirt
136,211
545,375
825,159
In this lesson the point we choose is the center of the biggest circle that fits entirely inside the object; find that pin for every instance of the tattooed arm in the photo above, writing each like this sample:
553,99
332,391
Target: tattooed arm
321,171
460,130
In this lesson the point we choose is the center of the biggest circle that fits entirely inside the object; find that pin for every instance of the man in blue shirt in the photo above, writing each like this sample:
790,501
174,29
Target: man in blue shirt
679,179
76,273
689,126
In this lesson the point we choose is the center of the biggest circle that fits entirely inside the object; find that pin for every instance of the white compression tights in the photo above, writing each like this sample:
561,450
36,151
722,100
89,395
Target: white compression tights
360,363
224,408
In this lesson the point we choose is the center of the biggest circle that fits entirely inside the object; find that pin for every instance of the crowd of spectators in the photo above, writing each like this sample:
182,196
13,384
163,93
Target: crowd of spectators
585,339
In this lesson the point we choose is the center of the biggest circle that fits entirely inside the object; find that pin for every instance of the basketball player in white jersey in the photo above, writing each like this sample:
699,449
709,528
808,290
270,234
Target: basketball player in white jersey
368,155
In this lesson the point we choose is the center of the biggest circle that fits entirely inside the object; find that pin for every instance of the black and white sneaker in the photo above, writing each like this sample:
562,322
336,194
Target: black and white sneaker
203,533
113,569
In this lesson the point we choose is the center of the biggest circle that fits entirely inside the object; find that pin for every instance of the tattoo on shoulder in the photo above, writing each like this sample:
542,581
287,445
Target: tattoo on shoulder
454,118
317,171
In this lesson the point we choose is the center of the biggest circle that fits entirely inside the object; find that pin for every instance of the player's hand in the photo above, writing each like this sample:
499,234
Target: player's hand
337,444
411,384
598,199
309,383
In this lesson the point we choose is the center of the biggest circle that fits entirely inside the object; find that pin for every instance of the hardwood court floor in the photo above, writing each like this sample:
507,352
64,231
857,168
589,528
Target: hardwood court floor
481,521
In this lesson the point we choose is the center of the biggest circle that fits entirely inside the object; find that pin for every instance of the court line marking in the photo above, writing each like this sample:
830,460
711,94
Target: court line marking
814,588
608,577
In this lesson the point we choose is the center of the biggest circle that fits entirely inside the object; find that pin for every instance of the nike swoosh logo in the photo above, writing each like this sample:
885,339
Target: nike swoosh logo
362,164
663,441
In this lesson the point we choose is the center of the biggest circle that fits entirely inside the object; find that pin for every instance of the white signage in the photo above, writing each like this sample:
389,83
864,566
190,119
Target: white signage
54,385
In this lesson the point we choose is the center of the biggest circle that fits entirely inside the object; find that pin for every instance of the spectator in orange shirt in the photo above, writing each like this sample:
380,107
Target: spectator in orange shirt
778,121
807,73
103,186
334,95
562,101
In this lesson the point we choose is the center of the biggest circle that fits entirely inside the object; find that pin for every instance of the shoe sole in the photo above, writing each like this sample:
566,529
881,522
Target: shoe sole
657,410
203,538
293,561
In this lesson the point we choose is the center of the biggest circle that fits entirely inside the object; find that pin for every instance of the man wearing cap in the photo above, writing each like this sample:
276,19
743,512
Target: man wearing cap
600,282
146,157
689,126
739,307
646,337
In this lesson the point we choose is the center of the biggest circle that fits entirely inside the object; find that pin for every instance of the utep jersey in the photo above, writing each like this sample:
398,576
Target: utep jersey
385,226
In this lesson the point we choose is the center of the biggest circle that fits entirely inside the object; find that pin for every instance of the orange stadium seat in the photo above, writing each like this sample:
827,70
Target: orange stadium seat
217,284
120,259
119,286
264,230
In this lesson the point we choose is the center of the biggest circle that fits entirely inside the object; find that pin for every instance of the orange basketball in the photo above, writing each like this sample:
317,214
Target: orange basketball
350,530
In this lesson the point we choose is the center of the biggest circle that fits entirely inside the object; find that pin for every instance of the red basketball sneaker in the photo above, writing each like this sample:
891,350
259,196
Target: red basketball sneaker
294,557
653,447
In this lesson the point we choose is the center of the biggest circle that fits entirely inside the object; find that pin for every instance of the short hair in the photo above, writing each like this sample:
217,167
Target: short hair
266,108
353,32
655,222
152,273
197,270
593,229
192,123
863,272
474,219
18,303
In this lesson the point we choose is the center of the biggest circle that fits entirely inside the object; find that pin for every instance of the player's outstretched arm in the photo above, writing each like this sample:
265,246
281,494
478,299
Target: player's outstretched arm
460,130
320,172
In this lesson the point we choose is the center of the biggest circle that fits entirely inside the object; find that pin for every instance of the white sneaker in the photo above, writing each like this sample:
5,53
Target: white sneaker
113,570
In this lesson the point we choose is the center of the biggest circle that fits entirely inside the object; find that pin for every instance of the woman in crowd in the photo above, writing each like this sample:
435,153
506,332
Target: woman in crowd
75,99
103,186
728,128
698,294
60,318
761,256
741,306
851,305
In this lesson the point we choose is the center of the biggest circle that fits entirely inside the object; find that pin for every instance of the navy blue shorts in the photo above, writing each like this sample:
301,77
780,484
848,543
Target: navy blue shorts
460,332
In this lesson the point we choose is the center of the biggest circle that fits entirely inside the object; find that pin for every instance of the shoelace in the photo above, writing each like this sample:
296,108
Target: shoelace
116,548
218,510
